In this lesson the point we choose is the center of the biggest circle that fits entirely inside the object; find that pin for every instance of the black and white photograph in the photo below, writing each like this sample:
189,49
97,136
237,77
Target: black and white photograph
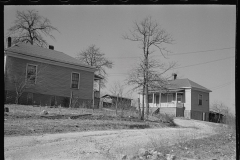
119,82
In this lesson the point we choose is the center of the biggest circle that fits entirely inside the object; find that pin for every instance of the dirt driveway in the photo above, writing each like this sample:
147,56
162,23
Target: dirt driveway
101,145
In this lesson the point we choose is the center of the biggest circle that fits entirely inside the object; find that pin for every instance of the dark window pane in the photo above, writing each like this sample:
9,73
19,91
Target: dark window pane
31,73
75,80
200,100
150,98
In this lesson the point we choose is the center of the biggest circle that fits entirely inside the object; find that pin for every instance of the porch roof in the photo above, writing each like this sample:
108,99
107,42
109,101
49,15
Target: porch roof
97,77
168,91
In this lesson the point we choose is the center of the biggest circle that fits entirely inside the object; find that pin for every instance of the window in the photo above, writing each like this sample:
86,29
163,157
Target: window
75,80
199,99
31,73
169,97
150,98
179,98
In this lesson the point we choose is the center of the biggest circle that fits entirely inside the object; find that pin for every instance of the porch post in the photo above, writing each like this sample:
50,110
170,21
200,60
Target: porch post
160,98
176,98
153,99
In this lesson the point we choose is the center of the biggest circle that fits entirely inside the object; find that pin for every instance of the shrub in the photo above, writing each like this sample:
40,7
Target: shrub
230,120
165,118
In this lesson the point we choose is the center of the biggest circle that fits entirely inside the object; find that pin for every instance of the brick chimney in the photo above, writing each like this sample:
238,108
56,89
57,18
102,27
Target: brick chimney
9,42
51,47
174,76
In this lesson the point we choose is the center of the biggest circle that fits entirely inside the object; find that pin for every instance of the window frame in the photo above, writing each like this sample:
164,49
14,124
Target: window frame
200,99
26,78
72,80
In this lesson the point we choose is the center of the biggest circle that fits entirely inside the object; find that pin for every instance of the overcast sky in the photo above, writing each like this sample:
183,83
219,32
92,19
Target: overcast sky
204,46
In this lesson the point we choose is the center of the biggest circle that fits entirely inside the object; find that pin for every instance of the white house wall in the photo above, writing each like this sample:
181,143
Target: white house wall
187,103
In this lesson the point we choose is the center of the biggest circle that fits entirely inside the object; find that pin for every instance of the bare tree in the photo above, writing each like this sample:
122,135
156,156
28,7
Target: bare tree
220,108
29,27
149,34
117,90
93,57
156,78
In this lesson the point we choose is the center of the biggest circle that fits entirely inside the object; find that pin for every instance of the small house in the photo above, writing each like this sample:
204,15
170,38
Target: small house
181,98
111,101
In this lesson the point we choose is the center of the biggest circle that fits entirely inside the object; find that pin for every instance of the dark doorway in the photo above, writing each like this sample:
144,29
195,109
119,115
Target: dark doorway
180,111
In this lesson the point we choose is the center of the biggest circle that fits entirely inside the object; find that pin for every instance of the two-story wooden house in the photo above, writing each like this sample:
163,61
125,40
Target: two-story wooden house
53,77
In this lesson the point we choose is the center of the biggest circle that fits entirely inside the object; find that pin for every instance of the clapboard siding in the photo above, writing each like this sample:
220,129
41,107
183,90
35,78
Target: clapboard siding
51,79
205,101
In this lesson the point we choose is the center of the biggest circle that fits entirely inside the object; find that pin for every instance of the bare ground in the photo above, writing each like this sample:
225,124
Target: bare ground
102,145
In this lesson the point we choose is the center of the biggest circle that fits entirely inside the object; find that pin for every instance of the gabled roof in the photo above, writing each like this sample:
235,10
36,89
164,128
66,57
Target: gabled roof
185,83
40,52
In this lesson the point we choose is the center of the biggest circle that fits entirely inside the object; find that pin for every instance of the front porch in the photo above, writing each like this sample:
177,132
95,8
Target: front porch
168,99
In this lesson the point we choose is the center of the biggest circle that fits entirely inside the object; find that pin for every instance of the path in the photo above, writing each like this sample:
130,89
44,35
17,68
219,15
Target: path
100,145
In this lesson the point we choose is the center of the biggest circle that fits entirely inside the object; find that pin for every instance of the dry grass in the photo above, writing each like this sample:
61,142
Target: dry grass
219,146
165,118
26,120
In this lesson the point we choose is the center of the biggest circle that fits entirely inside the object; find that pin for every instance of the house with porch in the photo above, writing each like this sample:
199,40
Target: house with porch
182,98
47,77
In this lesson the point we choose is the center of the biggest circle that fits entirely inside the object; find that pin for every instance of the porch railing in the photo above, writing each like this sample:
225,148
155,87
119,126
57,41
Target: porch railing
169,104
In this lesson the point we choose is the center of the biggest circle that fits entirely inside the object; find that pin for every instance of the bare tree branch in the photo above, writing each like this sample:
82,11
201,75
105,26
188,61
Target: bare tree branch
93,57
29,27
149,73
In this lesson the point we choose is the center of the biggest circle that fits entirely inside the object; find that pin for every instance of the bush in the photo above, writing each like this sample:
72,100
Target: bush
165,118
230,120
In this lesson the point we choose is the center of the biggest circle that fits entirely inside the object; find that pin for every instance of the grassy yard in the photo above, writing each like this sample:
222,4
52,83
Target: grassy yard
221,146
26,120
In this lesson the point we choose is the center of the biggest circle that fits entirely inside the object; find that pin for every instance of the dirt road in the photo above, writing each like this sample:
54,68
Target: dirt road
100,145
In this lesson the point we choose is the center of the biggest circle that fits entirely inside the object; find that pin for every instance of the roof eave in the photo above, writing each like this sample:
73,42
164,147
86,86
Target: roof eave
37,56
14,54
201,89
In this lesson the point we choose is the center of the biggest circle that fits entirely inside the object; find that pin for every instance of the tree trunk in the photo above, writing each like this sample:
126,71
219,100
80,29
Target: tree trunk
146,87
146,99
17,99
139,109
142,117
